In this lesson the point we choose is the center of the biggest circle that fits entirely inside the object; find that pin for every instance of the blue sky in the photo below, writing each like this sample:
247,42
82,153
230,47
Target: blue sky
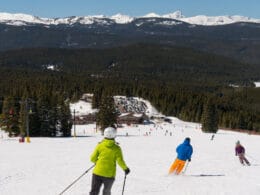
63,8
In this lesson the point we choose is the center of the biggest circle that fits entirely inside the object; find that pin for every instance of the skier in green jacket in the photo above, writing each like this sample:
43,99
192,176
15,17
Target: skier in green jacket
105,156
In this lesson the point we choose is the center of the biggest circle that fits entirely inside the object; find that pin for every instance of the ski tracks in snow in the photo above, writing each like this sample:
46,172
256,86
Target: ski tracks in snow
135,185
11,179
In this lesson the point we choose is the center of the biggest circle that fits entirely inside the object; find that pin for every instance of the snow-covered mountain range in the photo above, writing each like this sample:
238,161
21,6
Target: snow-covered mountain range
24,19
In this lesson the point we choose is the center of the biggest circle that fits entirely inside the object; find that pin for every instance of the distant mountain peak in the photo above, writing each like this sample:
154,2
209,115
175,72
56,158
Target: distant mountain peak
174,15
121,19
151,15
217,20
8,17
24,19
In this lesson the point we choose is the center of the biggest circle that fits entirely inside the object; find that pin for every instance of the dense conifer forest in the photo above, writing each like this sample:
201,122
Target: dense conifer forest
40,83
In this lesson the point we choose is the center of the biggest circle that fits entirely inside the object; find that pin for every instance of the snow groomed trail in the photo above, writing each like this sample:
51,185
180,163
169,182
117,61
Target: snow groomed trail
48,165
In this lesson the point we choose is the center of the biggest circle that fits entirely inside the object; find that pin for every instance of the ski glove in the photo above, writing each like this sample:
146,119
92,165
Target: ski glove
127,171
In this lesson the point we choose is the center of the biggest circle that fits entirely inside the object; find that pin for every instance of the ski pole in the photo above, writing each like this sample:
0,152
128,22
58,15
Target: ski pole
185,167
252,158
76,180
124,185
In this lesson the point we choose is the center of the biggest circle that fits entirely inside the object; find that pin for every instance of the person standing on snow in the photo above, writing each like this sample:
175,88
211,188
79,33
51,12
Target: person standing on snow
105,156
184,152
240,152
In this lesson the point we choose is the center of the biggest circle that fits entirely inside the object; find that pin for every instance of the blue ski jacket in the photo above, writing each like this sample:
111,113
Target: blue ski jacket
184,150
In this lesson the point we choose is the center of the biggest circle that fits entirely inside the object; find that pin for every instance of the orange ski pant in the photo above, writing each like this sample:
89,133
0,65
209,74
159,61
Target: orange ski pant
177,166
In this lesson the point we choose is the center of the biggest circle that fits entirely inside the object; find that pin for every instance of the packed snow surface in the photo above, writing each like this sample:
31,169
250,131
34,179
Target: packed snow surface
49,165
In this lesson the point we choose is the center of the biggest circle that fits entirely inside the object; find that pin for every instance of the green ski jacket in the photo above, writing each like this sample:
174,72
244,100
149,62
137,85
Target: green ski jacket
106,154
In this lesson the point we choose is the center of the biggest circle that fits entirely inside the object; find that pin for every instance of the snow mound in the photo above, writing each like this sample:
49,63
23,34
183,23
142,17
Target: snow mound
82,108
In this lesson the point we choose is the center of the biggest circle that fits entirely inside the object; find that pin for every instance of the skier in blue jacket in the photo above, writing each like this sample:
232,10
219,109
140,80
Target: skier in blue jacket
184,152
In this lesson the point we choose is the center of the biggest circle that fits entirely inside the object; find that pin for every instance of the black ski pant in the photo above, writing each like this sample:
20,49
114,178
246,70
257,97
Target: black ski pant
97,182
243,159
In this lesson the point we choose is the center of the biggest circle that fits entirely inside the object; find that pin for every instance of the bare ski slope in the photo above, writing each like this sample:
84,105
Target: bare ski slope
47,166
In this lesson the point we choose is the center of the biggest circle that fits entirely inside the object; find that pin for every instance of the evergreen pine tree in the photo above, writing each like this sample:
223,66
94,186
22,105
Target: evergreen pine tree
97,97
23,117
107,115
241,121
1,105
210,118
47,116
64,122
34,120
10,116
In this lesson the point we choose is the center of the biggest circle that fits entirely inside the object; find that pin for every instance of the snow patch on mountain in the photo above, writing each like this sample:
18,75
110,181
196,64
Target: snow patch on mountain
52,67
24,19
175,15
19,17
122,19
217,20
151,15
168,23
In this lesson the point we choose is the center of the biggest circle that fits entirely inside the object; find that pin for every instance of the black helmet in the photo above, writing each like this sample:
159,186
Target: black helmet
187,139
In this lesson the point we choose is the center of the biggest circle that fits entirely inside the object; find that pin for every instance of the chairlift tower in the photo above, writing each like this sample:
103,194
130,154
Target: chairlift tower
27,121
74,122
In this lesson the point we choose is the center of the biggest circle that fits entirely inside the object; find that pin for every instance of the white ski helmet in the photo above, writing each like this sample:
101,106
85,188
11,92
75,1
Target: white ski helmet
110,133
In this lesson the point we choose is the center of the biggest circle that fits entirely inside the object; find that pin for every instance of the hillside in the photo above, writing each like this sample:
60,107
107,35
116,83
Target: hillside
211,171
139,61
177,81
238,40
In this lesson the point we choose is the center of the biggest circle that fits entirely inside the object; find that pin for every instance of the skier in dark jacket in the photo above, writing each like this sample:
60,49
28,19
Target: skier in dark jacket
184,152
240,152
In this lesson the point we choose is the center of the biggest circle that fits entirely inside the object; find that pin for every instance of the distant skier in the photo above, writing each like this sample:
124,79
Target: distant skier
184,152
105,156
240,152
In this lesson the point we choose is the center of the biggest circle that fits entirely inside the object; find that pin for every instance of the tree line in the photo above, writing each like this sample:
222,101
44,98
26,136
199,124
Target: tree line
49,113
44,114
184,86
